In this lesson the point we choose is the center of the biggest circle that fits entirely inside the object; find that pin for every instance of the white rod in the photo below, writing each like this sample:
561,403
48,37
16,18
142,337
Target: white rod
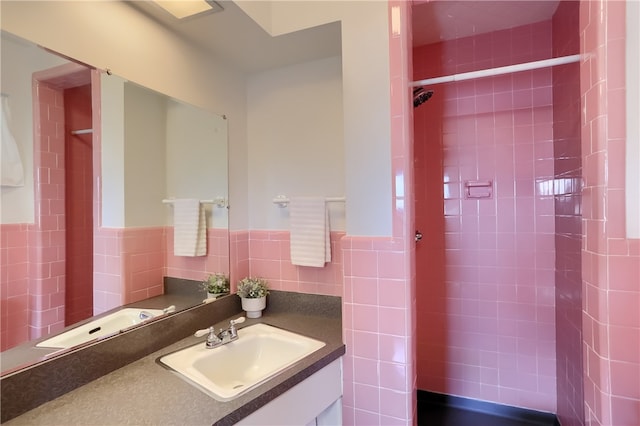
81,132
283,200
498,71
201,201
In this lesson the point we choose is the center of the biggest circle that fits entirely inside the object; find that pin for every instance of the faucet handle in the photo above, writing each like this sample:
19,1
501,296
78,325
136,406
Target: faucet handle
232,326
239,320
203,332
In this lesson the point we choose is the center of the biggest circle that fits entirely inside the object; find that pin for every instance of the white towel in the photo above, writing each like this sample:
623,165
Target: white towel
310,232
189,228
10,162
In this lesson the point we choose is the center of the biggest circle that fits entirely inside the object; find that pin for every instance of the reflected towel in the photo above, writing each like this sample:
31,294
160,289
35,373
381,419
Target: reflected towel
10,162
310,231
189,228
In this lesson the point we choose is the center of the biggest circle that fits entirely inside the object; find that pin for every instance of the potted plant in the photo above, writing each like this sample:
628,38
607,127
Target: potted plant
216,285
253,293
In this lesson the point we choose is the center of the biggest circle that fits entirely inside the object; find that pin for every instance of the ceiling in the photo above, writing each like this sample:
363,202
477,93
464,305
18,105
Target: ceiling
448,19
234,37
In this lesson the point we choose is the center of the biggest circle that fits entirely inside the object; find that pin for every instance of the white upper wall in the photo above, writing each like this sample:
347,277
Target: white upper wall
112,155
296,142
366,98
114,35
154,148
19,61
145,171
197,163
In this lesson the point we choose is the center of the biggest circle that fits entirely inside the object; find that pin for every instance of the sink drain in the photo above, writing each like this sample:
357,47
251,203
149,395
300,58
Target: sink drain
238,386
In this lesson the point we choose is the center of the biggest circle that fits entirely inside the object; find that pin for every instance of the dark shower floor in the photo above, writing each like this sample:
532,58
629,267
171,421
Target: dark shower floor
433,413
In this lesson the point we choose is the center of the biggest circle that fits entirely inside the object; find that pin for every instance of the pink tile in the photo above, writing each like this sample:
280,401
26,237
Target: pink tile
367,372
362,417
394,376
363,263
391,265
624,379
393,321
365,318
395,404
624,411
393,348
623,308
625,343
365,345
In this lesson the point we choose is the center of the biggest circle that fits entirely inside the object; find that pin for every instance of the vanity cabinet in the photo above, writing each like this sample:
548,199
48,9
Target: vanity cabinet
314,401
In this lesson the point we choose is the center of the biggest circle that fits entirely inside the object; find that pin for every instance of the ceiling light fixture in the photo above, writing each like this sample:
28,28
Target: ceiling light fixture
186,8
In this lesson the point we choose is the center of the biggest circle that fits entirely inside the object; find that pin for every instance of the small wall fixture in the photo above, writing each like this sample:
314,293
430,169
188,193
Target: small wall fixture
478,189
187,8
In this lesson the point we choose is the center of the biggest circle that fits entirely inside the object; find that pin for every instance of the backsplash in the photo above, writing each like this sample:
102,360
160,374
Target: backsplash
266,254
130,263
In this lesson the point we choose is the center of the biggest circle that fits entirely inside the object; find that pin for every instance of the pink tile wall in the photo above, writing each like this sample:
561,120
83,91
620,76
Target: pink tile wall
239,251
108,269
47,239
14,296
130,263
379,378
270,258
378,311
44,278
568,217
197,268
78,205
486,311
143,258
610,261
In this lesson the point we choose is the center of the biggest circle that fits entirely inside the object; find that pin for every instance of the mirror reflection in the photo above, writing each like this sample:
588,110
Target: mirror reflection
102,210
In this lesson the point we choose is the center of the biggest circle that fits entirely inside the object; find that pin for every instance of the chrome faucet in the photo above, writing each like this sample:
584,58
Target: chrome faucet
145,315
223,337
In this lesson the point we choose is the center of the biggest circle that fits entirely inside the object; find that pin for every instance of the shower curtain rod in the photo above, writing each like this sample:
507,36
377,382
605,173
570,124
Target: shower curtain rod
498,71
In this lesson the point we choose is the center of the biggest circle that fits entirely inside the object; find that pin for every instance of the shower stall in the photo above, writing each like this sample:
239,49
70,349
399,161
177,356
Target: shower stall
498,180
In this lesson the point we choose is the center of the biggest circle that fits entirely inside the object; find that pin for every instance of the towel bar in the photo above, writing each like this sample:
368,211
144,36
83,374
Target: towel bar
283,201
218,201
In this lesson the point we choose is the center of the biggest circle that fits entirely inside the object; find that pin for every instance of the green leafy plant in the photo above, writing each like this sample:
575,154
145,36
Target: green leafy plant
252,288
216,283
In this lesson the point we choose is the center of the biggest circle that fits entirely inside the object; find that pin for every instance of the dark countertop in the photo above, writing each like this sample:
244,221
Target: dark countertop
145,393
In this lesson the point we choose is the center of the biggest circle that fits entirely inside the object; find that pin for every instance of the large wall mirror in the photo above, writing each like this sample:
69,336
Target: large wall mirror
93,165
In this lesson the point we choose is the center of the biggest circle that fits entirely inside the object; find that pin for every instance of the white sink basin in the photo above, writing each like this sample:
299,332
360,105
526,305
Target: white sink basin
100,327
260,352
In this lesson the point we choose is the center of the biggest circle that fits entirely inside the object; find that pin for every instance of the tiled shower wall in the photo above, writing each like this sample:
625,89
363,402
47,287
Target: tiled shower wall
568,212
47,237
14,270
610,260
485,267
40,292
78,215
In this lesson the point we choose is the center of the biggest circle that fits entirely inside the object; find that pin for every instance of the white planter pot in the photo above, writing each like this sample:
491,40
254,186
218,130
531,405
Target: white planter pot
254,307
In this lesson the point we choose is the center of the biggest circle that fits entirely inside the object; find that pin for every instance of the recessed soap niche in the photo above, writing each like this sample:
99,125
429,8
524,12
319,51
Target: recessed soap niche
477,189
